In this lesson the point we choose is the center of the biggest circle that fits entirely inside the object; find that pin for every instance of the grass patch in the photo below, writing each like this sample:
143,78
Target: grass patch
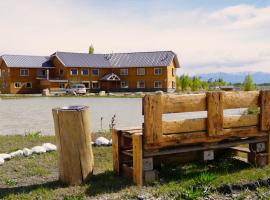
36,176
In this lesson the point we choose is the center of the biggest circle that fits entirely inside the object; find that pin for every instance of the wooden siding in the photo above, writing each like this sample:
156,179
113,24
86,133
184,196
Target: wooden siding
132,78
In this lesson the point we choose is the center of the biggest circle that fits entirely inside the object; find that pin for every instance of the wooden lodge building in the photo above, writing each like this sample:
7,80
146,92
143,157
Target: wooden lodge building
117,72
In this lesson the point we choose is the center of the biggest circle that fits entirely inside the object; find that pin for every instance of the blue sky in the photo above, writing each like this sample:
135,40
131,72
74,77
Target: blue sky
207,35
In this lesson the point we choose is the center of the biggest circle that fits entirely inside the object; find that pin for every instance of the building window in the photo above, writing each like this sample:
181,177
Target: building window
158,71
61,72
173,84
24,72
140,84
62,85
124,72
157,84
85,72
140,71
74,72
124,84
173,72
17,84
95,85
95,72
28,85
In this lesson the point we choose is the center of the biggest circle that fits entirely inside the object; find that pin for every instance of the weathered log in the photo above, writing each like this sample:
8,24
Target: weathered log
199,124
241,99
184,103
73,137
215,113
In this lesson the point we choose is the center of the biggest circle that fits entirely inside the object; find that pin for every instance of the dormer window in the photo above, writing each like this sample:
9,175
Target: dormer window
24,72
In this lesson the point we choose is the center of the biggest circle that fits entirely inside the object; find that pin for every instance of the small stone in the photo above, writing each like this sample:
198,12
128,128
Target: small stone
16,153
38,149
27,152
5,156
159,92
225,189
102,93
49,147
237,187
263,182
2,161
250,186
102,141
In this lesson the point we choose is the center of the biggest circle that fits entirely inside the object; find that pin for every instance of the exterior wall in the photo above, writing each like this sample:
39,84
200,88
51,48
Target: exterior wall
171,74
14,76
4,79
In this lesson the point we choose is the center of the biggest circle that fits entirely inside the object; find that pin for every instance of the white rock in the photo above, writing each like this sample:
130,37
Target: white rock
102,141
38,149
110,142
27,152
16,153
5,156
49,147
102,93
2,161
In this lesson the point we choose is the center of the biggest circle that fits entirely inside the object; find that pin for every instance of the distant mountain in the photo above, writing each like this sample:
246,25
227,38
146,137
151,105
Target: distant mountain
258,77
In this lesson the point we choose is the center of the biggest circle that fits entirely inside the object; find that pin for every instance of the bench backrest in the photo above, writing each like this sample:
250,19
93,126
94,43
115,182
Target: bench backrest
158,133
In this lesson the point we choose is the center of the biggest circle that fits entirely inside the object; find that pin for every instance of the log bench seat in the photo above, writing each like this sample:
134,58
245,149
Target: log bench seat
138,152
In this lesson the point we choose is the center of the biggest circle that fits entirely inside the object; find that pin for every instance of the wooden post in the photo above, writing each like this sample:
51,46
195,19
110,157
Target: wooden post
215,113
152,110
265,117
73,138
137,159
116,146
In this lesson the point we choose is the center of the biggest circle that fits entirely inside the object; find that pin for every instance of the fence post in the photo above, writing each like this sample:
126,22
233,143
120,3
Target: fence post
73,138
265,118
215,113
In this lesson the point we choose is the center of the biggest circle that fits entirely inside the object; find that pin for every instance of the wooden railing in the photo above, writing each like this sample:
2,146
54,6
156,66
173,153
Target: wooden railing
216,127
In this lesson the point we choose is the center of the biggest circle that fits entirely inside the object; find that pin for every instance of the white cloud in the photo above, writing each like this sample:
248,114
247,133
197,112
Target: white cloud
231,39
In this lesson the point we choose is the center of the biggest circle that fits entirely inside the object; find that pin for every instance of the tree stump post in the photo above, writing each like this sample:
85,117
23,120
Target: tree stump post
73,138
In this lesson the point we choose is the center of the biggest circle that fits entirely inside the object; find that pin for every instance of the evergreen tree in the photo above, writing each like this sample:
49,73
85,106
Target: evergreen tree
248,84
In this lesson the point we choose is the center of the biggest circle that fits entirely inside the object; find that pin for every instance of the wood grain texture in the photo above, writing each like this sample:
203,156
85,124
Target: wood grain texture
184,103
153,109
75,156
196,125
137,159
215,113
265,111
183,126
116,149
241,99
202,137
240,121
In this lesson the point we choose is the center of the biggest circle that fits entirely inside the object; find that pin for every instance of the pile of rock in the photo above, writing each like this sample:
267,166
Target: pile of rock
102,141
46,147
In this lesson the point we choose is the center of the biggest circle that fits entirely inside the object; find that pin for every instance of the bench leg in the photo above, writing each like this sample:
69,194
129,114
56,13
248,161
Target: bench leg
116,151
268,149
137,159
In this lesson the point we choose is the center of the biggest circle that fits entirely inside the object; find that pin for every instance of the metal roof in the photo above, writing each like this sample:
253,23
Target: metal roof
27,61
117,60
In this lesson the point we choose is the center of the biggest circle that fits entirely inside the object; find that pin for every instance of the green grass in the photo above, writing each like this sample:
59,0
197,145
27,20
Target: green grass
36,176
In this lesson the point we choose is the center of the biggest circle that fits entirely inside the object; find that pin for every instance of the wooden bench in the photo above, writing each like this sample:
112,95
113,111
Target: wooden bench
137,152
